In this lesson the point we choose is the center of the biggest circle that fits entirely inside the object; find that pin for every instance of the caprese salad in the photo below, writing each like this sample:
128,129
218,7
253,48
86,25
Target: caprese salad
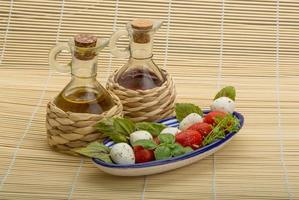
148,141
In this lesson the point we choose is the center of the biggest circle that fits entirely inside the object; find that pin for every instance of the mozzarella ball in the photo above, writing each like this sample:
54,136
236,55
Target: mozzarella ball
223,104
190,120
122,153
170,130
140,135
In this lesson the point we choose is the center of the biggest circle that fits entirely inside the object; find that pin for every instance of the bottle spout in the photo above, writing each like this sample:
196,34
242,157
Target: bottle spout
102,43
157,25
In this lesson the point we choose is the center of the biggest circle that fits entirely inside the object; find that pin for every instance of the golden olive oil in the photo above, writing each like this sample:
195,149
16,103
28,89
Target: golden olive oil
84,100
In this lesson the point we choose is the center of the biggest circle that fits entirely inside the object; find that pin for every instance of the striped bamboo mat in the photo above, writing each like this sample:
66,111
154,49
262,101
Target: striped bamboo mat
206,44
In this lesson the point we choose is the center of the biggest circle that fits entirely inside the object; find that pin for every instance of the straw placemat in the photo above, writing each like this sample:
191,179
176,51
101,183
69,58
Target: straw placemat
252,45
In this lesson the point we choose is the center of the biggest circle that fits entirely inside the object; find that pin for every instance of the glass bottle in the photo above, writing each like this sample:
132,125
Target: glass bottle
83,94
140,72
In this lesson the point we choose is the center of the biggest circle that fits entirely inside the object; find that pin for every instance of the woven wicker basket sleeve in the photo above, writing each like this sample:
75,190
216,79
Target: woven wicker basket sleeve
146,105
68,130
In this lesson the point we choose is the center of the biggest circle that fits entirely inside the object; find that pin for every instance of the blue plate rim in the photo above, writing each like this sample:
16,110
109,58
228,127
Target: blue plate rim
178,158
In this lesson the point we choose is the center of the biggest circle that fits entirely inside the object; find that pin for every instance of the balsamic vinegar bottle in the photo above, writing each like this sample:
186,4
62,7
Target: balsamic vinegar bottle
140,72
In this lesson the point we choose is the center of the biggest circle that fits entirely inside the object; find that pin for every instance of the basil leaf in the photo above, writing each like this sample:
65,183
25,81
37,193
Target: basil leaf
117,137
162,152
152,127
117,129
95,150
147,144
166,138
123,126
184,109
105,126
228,91
188,149
177,150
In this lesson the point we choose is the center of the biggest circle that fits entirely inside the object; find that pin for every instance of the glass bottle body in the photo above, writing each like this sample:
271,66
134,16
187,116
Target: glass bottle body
140,72
84,94
80,98
140,75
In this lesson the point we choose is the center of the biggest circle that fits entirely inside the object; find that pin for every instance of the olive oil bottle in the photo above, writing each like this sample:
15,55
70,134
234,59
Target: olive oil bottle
83,94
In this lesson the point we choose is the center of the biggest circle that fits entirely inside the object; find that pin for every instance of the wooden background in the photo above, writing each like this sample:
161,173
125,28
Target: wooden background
205,44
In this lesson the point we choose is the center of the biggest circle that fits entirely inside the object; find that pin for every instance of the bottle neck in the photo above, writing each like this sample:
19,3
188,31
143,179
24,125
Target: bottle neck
84,68
140,50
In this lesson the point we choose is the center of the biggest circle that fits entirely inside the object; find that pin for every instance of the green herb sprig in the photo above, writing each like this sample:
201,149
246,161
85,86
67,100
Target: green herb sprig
225,125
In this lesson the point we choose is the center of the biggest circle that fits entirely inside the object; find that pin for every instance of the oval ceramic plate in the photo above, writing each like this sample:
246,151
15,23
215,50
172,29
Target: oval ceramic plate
160,166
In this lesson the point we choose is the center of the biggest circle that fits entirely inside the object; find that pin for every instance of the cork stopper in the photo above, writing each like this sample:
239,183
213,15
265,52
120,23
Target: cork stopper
141,30
142,24
84,42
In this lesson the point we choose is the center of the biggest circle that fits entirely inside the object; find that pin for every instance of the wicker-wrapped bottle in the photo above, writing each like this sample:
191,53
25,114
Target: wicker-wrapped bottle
146,91
83,102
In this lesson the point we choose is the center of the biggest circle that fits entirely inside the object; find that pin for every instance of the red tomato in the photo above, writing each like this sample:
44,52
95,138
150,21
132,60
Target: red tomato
189,138
143,155
203,128
210,117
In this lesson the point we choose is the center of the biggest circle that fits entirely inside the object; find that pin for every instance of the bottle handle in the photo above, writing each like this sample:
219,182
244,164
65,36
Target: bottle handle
112,44
53,63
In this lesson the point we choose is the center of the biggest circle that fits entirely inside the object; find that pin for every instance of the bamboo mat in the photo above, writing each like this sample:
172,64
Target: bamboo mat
205,44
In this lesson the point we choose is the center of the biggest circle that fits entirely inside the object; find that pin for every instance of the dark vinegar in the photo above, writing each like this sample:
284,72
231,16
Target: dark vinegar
138,79
84,100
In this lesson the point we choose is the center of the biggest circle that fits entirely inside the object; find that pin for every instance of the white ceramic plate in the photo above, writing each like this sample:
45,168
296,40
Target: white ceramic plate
160,166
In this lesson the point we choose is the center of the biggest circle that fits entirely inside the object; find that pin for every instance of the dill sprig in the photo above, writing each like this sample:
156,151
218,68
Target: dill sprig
224,125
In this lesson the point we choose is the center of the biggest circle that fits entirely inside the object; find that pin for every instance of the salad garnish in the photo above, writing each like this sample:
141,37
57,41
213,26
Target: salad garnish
224,125
152,127
96,150
228,91
182,110
117,129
